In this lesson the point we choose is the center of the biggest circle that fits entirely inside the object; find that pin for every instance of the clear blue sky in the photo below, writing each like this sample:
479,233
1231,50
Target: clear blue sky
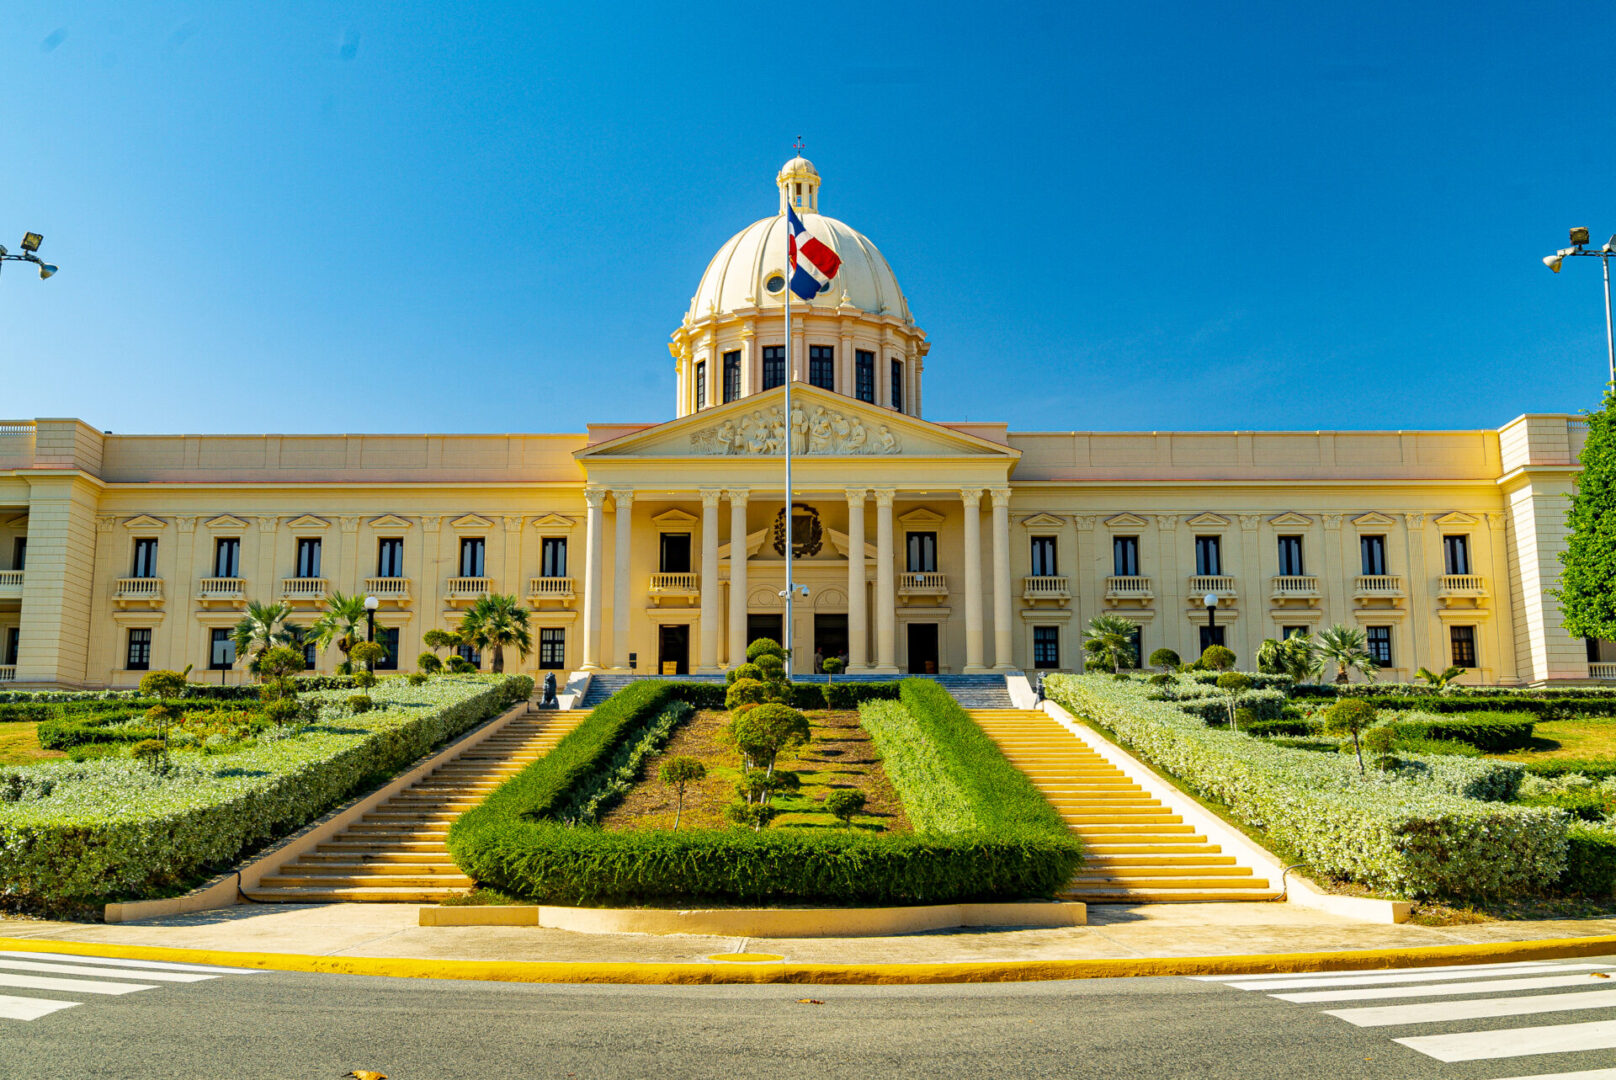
465,217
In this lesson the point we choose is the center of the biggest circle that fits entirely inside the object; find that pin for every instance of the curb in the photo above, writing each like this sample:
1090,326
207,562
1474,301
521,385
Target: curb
685,974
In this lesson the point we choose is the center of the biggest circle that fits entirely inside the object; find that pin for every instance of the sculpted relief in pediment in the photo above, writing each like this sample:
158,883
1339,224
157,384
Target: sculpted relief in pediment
814,429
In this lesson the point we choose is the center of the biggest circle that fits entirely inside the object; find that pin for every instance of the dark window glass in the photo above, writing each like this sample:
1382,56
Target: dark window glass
553,558
1372,549
221,650
387,638
732,376
822,366
466,652
145,558
1293,631
897,385
390,557
1456,554
552,648
1463,639
1290,556
139,658
1043,556
308,557
774,366
1591,645
675,554
1137,640
311,656
1380,644
13,640
227,557
1208,556
471,556
701,384
1046,646
1125,556
922,547
1210,636
19,553
864,375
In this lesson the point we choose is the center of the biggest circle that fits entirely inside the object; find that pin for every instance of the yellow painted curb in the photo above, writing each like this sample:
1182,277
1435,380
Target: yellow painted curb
844,974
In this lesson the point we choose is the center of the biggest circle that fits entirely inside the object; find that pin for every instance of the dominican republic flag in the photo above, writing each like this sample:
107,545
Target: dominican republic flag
810,275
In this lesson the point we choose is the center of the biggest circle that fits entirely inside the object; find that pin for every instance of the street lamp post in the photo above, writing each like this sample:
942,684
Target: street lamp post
1579,241
1211,602
30,249
371,604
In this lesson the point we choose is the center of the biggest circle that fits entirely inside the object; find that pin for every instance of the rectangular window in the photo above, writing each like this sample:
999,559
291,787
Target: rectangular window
311,656
822,366
701,384
897,384
864,375
227,557
774,366
308,557
552,648
1208,556
1463,639
1210,636
19,553
13,641
387,638
139,655
1380,644
922,551
1046,646
471,556
474,656
1125,556
675,553
221,650
390,557
553,556
1372,552
1290,556
1456,554
1137,641
1286,632
1043,556
732,376
145,558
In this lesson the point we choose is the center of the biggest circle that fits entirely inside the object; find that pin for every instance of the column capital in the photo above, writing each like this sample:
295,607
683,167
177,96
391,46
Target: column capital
1001,496
1250,522
513,523
431,523
857,495
1496,522
884,497
737,496
971,496
710,497
1084,522
105,523
1331,521
623,497
348,523
1169,522
267,524
185,523
595,497
1415,522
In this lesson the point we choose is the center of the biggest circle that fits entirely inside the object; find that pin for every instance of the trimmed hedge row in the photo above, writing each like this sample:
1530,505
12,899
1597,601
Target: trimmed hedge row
1543,704
193,691
842,695
83,727
1590,862
1489,732
1593,768
513,843
1418,830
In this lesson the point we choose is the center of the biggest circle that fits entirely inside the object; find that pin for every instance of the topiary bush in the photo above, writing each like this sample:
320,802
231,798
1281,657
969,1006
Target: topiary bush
764,647
360,703
163,684
744,671
429,663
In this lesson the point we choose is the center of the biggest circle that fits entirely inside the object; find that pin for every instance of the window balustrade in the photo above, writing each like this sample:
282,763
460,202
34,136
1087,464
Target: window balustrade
1453,587
303,590
222,590
1128,587
395,590
549,588
1378,585
681,584
1296,587
11,581
1221,584
922,583
467,589
1045,587
138,590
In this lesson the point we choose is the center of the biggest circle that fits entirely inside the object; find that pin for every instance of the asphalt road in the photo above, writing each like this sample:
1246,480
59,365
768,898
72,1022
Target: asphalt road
293,1026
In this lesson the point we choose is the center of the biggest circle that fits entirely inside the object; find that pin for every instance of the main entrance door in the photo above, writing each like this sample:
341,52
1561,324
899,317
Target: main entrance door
674,649
830,635
769,626
923,648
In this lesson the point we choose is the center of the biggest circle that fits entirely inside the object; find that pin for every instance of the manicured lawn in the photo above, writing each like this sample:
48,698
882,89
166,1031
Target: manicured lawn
19,744
1582,738
840,755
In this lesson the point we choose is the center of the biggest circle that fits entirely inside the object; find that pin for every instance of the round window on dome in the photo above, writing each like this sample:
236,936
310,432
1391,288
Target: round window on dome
775,283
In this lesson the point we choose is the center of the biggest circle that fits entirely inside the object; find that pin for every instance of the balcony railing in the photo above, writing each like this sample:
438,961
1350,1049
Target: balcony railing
1373,586
303,590
11,582
138,590
675,584
1128,587
468,588
1453,587
8,672
1045,587
1296,587
549,588
1595,671
922,583
1201,584
395,590
222,590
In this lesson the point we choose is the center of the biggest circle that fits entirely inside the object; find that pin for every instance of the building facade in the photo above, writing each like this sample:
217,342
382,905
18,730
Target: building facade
925,545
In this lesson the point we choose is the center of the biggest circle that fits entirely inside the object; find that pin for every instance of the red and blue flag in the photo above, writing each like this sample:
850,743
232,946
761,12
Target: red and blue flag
811,273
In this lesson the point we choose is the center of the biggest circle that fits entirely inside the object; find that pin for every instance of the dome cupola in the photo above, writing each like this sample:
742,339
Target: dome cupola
798,182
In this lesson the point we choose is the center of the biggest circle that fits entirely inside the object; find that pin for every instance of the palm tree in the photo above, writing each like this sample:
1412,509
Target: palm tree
1441,679
263,628
493,622
342,624
1296,656
1109,640
1345,647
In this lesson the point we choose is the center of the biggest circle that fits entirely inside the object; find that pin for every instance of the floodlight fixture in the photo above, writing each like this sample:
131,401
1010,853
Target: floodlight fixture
30,245
1579,241
46,270
1553,261
1579,236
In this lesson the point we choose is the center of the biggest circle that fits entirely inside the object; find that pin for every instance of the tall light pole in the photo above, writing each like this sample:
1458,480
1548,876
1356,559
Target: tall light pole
30,249
1211,602
1579,241
371,604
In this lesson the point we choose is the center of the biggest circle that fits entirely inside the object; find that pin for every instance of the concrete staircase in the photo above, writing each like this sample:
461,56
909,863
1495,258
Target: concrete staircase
397,852
975,691
1137,849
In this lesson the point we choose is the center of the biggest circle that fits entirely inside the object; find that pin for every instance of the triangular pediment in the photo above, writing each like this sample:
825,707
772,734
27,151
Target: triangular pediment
307,521
1207,521
1291,519
1373,520
471,521
1043,521
831,425
1453,518
225,521
553,521
144,521
1126,521
390,521
921,515
675,517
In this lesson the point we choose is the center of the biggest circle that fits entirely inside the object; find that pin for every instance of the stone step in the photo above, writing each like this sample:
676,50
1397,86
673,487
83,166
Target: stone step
365,881
1166,896
351,894
1117,861
1112,872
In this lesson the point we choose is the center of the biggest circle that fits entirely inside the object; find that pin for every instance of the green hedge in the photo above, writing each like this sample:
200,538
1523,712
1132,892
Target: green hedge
513,842
1418,830
114,829
1543,704
1594,768
193,691
1489,732
81,726
842,695
1590,862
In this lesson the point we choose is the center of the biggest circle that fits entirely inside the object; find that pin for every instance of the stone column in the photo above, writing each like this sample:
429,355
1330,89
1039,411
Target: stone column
749,382
707,662
844,363
1003,656
593,527
886,613
972,498
58,587
858,631
737,574
622,555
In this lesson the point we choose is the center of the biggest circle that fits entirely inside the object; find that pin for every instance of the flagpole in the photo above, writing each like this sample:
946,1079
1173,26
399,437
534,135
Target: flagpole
791,588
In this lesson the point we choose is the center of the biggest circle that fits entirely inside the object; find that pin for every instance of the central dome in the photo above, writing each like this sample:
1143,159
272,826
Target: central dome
749,271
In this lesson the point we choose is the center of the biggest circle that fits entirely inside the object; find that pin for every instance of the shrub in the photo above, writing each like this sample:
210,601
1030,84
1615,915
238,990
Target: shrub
753,815
1379,741
1590,862
1593,768
363,679
1352,716
764,647
162,684
1489,732
844,804
744,671
150,752
1217,657
744,692
615,774
360,703
416,678
848,695
429,663
773,667
459,665
1166,659
286,710
1449,747
1285,725
762,733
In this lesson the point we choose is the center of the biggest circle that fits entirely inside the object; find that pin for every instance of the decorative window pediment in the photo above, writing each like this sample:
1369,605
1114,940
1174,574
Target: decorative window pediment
675,517
1291,519
1374,520
553,521
144,521
225,521
471,521
1454,519
1043,521
307,521
1126,521
921,515
390,521
1208,521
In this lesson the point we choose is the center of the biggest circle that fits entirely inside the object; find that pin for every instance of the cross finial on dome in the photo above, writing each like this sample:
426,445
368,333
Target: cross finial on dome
798,146
798,181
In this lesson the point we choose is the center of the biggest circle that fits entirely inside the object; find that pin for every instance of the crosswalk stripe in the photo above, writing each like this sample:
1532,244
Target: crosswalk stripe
1586,1074
1235,980
1381,993
80,969
21,1008
155,965
1516,1042
1474,1009
1413,977
71,986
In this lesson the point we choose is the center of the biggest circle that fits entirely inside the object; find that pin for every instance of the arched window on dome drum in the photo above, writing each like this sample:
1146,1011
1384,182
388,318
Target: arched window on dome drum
732,376
897,384
864,375
774,366
822,366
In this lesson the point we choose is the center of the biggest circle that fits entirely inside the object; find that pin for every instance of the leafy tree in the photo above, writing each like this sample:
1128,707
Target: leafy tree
1439,679
762,733
1350,716
166,685
1380,741
159,716
279,667
1109,641
1166,659
494,622
1218,658
677,772
756,815
1296,656
1233,684
844,804
441,639
264,627
1347,648
341,624
366,654
1587,588
832,666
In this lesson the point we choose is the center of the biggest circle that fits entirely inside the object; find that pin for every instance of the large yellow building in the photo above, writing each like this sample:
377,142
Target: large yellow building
926,545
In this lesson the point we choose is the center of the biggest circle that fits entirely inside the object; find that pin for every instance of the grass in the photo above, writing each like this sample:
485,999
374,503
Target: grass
19,744
1585,737
840,755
